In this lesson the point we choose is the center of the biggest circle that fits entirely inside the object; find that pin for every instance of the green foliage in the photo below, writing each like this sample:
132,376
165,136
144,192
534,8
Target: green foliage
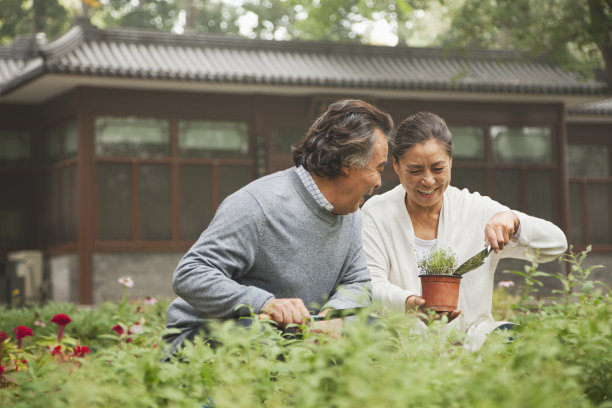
560,356
574,33
27,17
441,261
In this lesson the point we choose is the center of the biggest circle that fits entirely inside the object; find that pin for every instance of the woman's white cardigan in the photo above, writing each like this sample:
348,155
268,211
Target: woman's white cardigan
388,241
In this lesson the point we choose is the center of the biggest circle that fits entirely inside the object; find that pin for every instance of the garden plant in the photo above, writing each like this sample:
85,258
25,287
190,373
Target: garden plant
439,287
61,355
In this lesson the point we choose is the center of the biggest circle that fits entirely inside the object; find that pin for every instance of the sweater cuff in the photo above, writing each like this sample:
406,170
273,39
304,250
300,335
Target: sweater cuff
258,298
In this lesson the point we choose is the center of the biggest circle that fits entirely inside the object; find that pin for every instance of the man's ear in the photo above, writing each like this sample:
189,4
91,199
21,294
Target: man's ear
345,171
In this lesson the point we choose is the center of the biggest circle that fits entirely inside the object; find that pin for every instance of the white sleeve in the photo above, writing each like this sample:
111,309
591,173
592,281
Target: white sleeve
389,294
538,240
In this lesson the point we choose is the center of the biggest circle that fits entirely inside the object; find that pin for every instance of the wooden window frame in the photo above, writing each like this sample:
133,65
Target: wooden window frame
174,161
583,182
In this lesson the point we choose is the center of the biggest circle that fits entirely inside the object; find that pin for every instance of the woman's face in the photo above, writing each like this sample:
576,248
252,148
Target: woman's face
425,172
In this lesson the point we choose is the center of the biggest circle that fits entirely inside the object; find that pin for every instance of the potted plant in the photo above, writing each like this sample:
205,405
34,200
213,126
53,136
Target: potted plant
440,288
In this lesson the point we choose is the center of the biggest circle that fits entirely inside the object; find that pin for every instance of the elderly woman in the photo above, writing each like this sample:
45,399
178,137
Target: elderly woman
425,211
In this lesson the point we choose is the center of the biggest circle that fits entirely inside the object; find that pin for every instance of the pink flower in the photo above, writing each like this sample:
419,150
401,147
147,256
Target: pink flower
150,300
505,284
126,281
80,351
39,323
118,329
1,369
61,320
136,328
20,333
3,336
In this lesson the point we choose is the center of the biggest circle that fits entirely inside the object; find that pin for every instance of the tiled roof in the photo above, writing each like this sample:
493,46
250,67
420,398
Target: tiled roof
127,53
599,108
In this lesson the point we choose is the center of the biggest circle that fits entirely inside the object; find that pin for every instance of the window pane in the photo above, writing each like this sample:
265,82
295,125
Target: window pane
132,137
588,160
154,202
577,232
473,179
196,200
231,178
198,138
114,202
52,222
507,186
53,144
540,197
14,149
13,210
284,138
469,143
71,140
598,208
69,203
521,145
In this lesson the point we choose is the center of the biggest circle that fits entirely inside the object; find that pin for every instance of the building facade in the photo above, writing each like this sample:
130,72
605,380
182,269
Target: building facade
117,146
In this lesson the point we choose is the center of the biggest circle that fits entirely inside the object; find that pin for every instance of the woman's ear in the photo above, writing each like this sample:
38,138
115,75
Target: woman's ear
395,165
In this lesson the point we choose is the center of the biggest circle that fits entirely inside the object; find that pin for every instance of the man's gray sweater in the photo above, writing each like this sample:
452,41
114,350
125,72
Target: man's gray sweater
270,239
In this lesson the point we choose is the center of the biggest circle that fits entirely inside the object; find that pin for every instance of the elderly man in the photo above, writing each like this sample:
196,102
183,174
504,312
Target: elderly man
289,244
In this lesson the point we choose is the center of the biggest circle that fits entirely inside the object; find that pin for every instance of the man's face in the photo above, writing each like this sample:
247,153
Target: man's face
355,183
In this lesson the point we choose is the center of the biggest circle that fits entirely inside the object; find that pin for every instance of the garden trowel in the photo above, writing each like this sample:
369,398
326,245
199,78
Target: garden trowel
474,262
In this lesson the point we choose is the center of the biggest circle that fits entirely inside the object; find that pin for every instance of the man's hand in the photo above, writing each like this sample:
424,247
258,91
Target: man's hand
332,328
415,302
500,229
285,311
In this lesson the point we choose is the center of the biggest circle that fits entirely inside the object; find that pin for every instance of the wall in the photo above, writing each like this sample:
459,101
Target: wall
64,277
151,273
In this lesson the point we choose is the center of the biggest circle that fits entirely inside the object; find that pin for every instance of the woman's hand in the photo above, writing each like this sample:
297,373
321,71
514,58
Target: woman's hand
500,229
415,302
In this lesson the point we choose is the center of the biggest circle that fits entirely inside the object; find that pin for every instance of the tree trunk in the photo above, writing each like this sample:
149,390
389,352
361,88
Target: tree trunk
601,30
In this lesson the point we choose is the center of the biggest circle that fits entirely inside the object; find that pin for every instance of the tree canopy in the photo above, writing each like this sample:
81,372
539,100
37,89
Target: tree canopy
574,33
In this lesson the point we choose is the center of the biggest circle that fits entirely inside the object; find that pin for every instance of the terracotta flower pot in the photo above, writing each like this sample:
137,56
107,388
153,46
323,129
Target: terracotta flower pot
441,292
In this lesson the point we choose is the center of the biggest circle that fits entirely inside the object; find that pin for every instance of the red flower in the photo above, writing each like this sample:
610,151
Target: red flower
1,369
3,336
128,340
61,320
57,350
20,333
79,351
118,329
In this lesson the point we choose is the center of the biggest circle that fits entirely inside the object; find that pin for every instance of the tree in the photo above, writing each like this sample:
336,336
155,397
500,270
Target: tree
28,17
149,14
574,33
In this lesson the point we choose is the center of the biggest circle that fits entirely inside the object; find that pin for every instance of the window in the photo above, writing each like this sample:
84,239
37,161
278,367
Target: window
138,173
132,137
61,142
16,186
14,149
213,139
513,165
60,214
590,194
521,145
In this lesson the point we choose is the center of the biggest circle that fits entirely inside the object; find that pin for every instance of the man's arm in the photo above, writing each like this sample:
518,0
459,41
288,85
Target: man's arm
354,288
206,275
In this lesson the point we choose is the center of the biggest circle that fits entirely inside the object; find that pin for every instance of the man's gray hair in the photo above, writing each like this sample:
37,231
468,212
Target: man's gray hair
343,136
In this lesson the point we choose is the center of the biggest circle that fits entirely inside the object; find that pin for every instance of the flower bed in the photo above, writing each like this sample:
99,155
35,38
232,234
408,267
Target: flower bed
112,356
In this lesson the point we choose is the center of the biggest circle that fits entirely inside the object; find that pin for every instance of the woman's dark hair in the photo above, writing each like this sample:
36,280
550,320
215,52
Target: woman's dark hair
419,128
342,137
